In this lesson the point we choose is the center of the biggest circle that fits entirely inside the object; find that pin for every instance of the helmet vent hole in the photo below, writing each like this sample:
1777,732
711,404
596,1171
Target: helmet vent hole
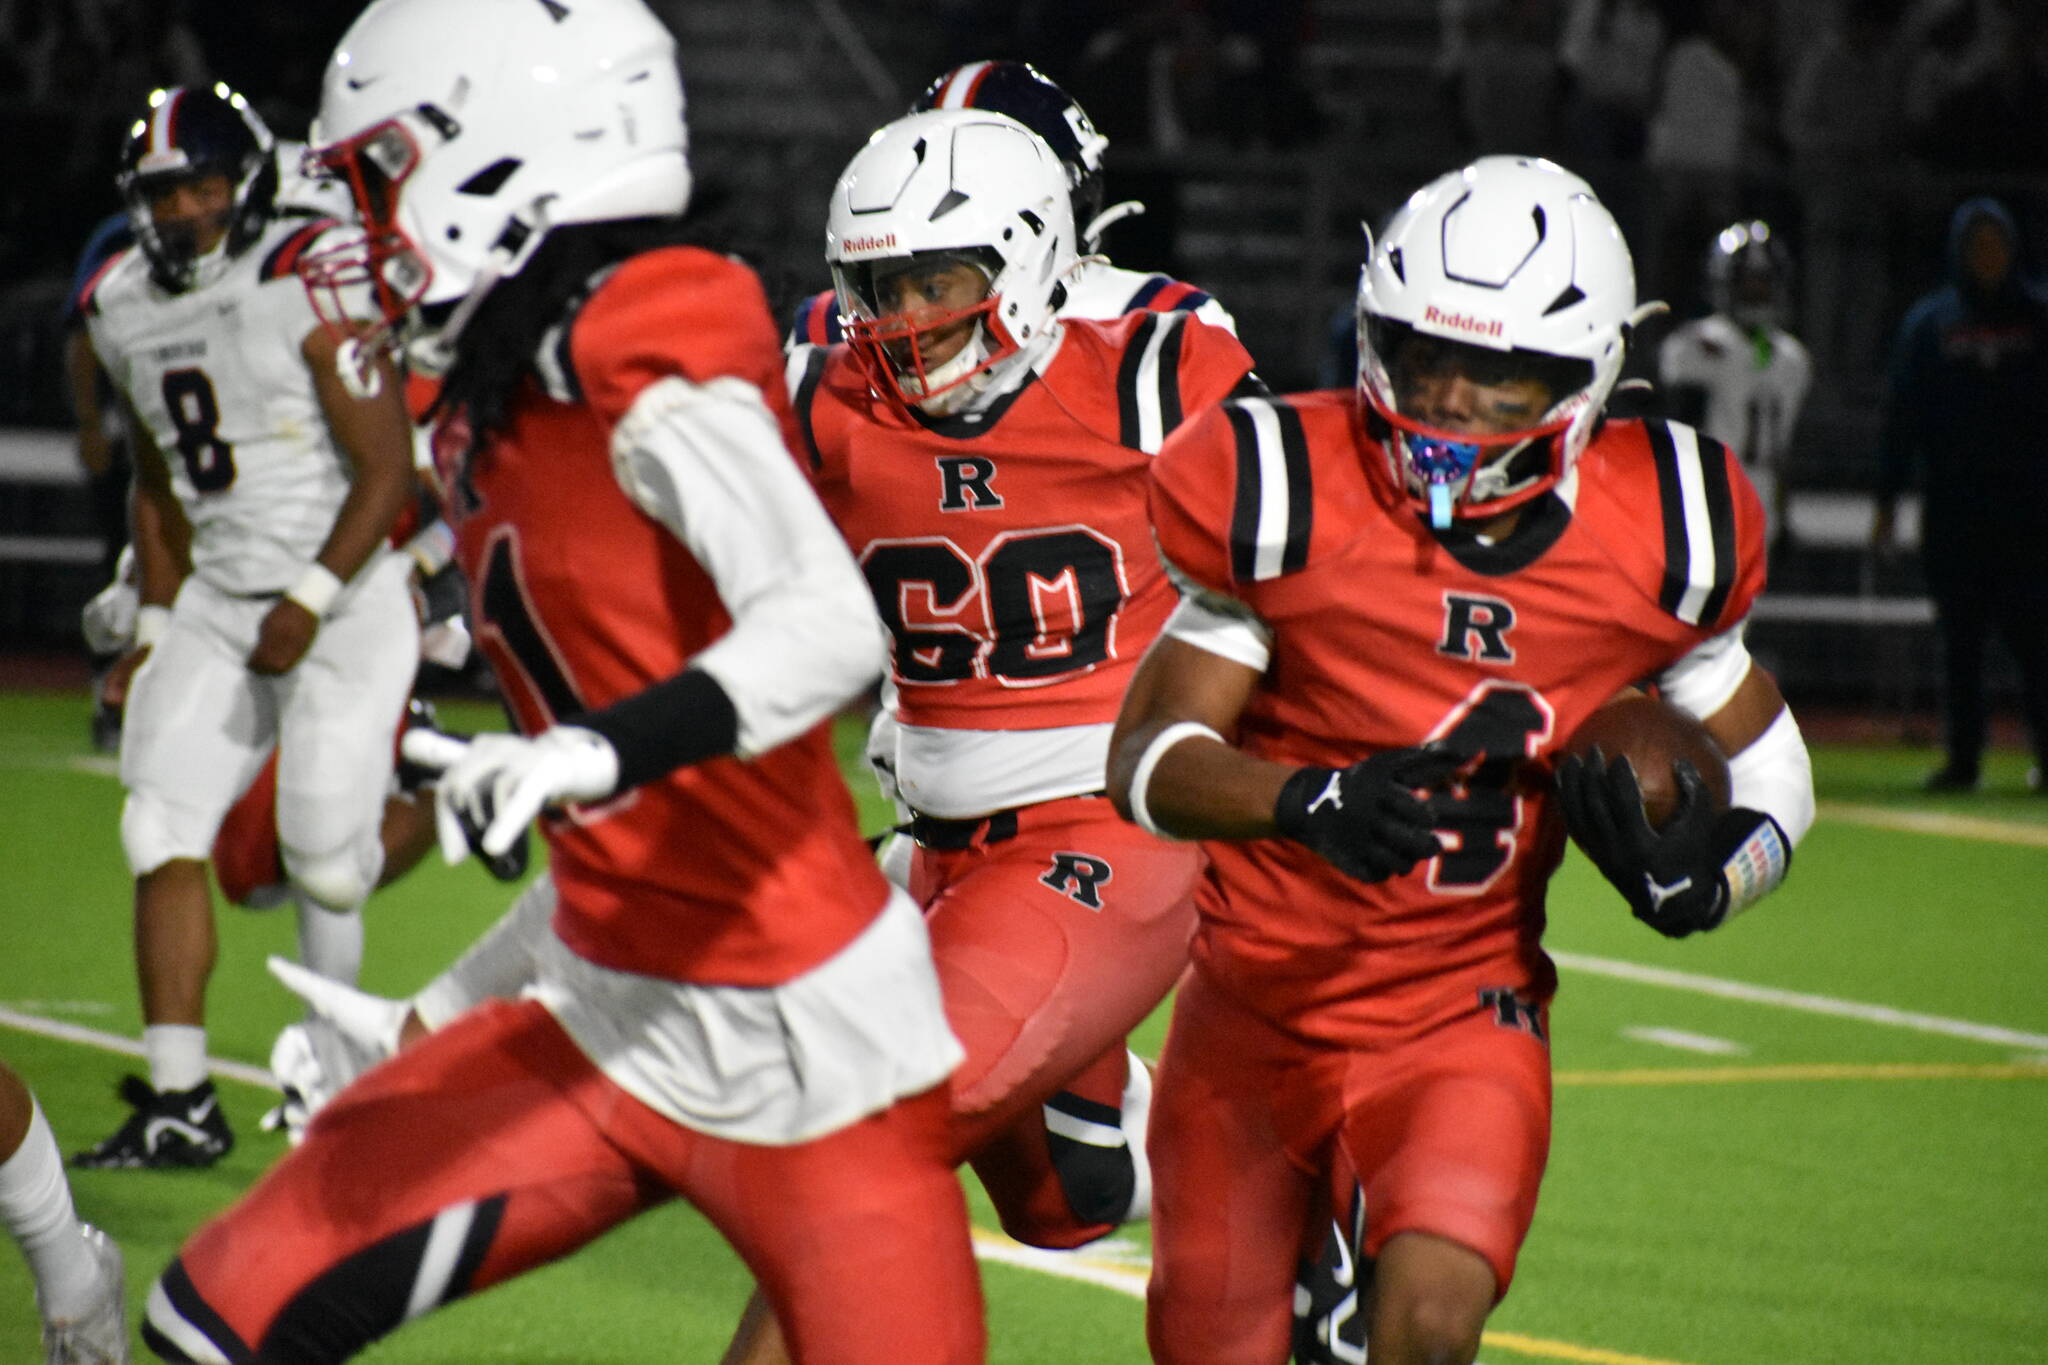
1395,264
1542,223
1571,294
1032,221
952,200
491,178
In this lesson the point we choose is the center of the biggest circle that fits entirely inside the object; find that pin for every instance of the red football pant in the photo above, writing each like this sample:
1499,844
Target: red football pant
1447,1131
495,1146
1051,946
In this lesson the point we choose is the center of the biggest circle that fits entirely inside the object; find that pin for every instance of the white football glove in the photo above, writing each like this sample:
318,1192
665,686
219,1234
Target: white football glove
372,1022
492,786
108,620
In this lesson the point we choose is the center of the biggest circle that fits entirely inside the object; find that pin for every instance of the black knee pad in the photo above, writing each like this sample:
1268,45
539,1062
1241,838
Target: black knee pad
1091,1158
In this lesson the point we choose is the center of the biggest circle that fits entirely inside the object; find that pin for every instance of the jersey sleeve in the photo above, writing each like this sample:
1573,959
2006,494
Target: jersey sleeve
683,313
1214,365
1192,494
1712,529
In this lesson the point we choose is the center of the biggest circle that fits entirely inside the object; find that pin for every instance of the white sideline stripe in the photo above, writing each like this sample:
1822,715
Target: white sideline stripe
1689,1042
1937,822
127,1047
1799,1000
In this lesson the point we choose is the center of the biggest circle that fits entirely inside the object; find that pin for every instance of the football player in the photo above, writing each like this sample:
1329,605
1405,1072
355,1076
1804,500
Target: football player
1092,288
265,489
1737,373
730,1004
81,1288
987,460
1398,605
1095,288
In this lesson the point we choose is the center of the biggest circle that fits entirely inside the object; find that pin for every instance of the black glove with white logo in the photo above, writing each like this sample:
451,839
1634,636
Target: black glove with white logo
1367,819
1673,878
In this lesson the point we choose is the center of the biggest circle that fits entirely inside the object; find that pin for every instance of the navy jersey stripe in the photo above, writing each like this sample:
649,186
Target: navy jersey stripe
1244,513
801,399
1671,505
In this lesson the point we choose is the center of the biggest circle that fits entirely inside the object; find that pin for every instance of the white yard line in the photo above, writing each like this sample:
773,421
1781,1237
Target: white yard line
1800,1000
1686,1042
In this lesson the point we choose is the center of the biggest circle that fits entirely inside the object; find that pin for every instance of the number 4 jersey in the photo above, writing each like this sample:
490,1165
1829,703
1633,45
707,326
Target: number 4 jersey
218,377
1380,634
1008,550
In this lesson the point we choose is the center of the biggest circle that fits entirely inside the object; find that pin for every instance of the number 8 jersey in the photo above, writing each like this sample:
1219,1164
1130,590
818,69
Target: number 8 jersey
1379,634
217,376
1008,550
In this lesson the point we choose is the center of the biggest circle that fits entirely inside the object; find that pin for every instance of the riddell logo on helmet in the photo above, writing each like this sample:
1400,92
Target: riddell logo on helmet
1461,322
883,243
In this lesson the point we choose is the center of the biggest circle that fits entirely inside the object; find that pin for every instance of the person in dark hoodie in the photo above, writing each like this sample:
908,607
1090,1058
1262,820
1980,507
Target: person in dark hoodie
1966,407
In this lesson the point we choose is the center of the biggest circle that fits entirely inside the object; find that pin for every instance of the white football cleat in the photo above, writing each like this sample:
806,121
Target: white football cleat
98,1336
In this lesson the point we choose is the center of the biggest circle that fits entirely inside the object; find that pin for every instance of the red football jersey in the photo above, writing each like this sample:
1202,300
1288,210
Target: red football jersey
1009,552
1387,635
726,872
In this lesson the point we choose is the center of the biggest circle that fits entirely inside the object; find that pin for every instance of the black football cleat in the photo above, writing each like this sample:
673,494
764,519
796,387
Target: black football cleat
169,1129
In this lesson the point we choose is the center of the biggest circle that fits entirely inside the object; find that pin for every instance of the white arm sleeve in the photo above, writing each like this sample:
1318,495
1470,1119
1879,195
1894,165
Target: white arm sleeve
1219,624
1702,682
499,964
1774,774
708,462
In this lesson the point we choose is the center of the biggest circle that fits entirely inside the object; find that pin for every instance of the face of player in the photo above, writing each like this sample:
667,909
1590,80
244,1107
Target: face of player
931,290
192,215
1466,390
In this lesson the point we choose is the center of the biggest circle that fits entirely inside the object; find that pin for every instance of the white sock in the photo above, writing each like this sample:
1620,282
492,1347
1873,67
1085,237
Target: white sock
331,941
177,1055
35,1203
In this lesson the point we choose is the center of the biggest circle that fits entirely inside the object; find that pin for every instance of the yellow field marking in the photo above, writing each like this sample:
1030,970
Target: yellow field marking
1565,1350
1937,822
1814,1071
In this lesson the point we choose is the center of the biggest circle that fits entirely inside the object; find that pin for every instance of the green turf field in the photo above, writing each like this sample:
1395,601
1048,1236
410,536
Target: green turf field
1820,1135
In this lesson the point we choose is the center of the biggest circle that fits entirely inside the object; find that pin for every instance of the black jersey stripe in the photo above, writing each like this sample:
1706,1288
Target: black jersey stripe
1244,513
801,396
1698,508
1148,383
1713,457
1294,450
1671,506
1272,514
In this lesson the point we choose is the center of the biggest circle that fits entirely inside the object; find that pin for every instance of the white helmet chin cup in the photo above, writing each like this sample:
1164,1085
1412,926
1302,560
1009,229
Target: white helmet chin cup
1510,253
525,117
956,180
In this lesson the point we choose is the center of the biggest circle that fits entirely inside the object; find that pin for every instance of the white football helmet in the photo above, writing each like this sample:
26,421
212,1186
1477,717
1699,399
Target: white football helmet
1513,261
465,133
944,185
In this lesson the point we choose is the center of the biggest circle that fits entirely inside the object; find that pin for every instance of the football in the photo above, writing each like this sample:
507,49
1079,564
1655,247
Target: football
1654,735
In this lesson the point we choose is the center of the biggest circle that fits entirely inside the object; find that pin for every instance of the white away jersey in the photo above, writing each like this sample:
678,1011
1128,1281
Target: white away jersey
217,376
1754,387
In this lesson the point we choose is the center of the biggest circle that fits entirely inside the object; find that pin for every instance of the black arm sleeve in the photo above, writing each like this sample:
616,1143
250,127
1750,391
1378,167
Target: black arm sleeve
678,721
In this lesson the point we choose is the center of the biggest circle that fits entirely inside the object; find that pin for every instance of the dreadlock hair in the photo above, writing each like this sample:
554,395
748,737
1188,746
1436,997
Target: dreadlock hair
500,342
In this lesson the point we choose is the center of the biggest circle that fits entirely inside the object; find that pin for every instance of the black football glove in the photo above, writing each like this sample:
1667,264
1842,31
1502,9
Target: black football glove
1673,877
1366,819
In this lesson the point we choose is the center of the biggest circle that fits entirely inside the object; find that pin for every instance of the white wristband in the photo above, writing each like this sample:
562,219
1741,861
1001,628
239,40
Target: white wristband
316,589
1149,760
151,621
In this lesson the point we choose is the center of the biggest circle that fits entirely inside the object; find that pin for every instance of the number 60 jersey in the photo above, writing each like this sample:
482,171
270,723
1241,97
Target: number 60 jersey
1008,550
1380,634
217,375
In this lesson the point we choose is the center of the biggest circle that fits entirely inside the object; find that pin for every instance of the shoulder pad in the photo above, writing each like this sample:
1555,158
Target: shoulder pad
283,259
1273,510
1697,508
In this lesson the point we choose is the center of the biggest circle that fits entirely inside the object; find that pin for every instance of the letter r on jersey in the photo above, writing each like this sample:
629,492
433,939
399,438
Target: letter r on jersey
1078,875
966,483
1477,628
